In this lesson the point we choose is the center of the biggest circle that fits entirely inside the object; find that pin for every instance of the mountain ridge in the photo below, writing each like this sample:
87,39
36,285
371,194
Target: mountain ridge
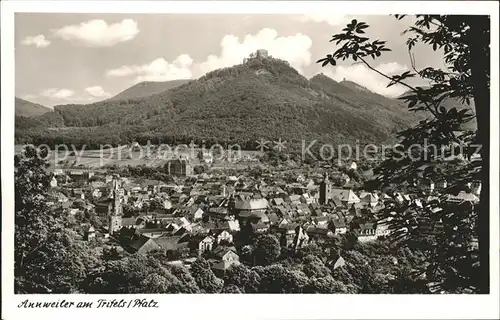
147,88
25,108
262,98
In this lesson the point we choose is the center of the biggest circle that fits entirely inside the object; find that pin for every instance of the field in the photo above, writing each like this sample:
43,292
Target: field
123,156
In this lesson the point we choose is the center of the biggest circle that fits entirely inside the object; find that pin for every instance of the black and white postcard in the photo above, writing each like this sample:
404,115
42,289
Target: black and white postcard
260,160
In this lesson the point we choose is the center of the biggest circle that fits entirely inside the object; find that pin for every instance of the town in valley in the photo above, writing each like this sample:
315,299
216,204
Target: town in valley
258,170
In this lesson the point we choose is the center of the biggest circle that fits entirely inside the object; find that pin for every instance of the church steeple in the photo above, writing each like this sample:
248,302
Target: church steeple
325,190
115,214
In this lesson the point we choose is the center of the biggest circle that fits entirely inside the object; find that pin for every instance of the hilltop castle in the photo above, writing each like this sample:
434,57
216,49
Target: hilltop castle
259,54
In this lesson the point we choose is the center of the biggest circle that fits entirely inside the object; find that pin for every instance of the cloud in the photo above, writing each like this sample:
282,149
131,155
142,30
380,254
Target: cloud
58,94
38,41
324,16
97,33
97,91
54,96
158,70
369,79
294,49
28,97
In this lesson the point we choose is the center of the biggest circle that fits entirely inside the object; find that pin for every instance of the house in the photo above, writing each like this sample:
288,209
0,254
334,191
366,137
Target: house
369,199
441,184
61,197
153,232
197,214
230,225
463,196
53,182
427,185
171,243
184,222
218,214
273,218
259,227
338,226
365,232
78,193
317,212
307,198
78,175
321,222
336,261
399,198
352,166
223,236
179,167
104,207
295,199
224,258
133,222
281,212
253,211
319,234
283,223
287,234
233,225
346,196
142,245
277,201
202,243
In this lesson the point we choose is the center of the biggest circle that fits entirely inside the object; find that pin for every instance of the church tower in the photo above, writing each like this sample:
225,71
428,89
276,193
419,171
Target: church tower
325,190
115,216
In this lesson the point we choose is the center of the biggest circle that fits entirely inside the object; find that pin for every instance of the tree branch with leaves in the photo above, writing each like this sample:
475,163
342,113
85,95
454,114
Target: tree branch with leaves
443,229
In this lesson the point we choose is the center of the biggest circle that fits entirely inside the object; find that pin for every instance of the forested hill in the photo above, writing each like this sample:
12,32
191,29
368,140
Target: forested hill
26,108
147,88
263,98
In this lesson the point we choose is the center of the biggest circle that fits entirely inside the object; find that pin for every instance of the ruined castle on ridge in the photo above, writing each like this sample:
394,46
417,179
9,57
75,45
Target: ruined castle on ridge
259,54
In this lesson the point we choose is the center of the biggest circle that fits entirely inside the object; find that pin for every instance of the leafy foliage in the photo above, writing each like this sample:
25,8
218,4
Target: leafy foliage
267,250
205,278
48,259
445,230
244,278
278,279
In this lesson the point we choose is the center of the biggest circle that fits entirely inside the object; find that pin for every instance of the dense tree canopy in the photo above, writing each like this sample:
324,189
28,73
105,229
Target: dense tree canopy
267,250
464,41
48,258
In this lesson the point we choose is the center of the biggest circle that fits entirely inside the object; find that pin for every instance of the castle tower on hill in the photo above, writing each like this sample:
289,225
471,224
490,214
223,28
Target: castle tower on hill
325,190
116,212
259,54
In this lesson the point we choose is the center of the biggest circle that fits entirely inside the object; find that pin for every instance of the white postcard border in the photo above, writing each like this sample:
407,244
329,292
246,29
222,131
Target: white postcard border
245,306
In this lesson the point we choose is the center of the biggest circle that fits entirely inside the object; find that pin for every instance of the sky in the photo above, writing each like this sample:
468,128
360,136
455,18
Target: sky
63,58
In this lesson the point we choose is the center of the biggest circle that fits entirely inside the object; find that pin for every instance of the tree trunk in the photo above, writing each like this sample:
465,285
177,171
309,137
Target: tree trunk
480,70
